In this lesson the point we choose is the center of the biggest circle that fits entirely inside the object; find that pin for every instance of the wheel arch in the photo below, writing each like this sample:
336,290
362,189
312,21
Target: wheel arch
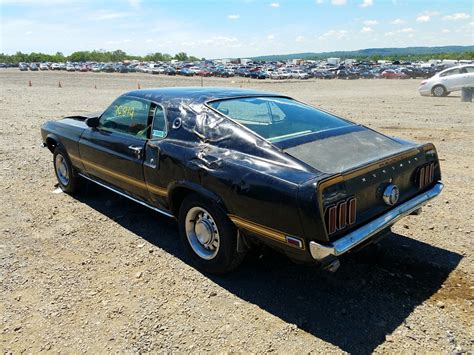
180,189
52,141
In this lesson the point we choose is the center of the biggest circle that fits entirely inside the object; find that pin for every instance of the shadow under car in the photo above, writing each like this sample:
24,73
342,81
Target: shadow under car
354,308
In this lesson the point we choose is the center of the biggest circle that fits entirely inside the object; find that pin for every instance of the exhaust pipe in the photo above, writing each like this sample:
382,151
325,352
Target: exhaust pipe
333,266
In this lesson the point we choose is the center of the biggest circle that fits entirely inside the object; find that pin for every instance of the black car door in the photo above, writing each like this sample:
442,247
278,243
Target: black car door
113,152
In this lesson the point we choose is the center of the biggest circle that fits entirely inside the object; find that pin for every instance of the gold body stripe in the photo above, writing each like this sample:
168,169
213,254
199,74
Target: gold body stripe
263,231
140,184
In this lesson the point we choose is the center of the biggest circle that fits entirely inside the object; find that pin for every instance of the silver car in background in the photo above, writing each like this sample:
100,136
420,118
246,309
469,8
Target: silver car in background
447,81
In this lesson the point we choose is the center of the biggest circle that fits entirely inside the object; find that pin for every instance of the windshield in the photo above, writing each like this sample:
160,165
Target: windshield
276,118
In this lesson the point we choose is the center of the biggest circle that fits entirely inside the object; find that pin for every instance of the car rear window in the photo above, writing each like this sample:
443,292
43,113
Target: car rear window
276,118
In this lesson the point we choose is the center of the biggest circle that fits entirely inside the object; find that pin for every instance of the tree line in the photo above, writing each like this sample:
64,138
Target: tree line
468,55
92,56
119,56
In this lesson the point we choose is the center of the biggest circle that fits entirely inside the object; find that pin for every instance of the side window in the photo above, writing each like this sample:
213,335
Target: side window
451,72
159,128
469,69
126,115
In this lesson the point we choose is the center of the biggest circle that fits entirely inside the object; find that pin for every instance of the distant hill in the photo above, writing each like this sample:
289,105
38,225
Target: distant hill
369,52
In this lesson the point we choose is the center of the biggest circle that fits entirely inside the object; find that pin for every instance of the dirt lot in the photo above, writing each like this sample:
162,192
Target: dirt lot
100,273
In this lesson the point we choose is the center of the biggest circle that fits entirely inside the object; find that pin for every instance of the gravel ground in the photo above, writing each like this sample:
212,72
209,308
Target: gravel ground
100,273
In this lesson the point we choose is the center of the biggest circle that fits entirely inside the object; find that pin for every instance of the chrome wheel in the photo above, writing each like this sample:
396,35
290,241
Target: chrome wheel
62,170
438,91
202,233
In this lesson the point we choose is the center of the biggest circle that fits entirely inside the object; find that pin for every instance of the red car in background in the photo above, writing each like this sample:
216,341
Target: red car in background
204,72
393,74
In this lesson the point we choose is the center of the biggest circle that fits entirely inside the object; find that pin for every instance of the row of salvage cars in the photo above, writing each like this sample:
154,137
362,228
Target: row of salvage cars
240,168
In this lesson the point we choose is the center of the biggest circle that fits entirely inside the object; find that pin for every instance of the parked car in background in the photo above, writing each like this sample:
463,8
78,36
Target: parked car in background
258,75
70,67
108,68
367,74
23,67
157,70
447,81
186,72
43,66
393,74
347,74
33,67
121,69
299,74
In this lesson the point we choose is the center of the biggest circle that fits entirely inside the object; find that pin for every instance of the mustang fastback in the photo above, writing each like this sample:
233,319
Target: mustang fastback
241,168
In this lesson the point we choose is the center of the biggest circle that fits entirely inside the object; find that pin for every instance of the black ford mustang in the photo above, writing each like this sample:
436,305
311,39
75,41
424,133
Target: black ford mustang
238,168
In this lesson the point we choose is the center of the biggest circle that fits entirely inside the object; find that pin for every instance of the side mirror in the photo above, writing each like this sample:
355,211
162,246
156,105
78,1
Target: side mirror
92,122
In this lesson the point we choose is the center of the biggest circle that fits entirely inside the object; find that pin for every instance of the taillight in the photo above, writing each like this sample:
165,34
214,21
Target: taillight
426,175
340,215
423,82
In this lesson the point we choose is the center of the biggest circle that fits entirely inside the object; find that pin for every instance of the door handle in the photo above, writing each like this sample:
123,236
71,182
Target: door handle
136,150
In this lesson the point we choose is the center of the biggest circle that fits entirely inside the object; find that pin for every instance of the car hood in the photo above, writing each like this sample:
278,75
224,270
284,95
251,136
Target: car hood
342,149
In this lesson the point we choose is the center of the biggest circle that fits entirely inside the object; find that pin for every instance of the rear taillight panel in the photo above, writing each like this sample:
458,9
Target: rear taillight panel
425,175
340,215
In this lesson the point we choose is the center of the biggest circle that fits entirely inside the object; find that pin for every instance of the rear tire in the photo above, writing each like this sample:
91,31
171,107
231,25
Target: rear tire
208,236
67,177
439,91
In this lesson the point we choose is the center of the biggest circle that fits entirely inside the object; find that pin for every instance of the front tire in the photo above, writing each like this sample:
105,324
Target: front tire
439,91
208,236
67,178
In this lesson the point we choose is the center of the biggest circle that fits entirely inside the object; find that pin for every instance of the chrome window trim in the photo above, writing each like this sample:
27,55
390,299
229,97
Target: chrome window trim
153,122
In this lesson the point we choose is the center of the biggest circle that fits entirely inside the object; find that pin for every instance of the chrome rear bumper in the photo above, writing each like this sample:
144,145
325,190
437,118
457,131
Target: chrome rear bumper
320,252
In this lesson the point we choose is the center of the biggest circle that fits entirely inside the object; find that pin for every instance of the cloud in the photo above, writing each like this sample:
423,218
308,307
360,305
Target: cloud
135,3
367,3
445,31
398,21
28,33
423,18
233,17
299,39
457,17
319,2
274,5
336,34
102,15
219,41
366,30
371,22
338,2
407,31
270,37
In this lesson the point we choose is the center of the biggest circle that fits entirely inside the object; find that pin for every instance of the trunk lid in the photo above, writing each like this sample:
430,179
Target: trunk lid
345,148
362,164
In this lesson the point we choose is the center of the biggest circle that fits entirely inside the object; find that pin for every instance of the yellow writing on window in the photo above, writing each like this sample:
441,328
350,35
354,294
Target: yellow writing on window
125,111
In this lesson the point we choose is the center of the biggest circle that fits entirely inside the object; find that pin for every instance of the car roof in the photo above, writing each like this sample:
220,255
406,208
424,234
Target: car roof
457,67
197,95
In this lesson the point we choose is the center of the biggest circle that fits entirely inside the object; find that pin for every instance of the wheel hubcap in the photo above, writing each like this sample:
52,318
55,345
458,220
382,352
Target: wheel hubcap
202,233
439,91
62,170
